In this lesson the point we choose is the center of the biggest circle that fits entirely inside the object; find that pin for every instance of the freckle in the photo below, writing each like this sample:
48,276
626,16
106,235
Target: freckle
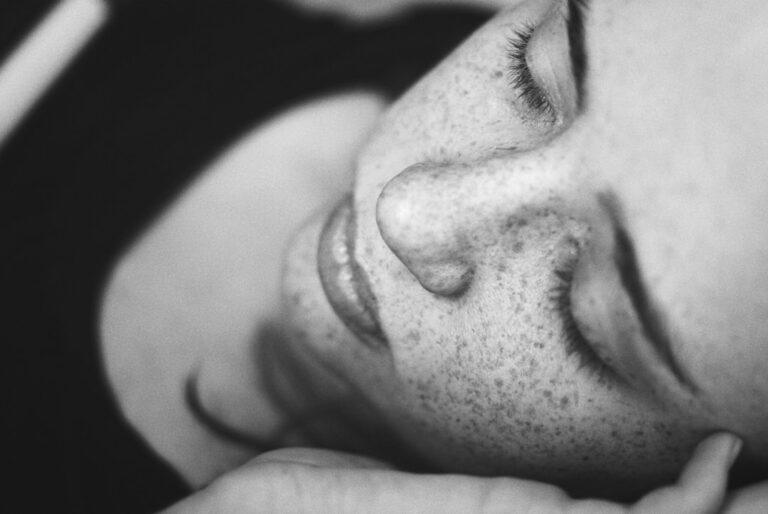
547,393
499,382
518,247
497,74
564,401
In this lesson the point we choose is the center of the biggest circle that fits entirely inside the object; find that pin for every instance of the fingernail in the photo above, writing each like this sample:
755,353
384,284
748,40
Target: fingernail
735,448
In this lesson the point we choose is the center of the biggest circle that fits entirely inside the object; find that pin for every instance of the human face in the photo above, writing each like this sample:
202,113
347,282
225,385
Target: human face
572,285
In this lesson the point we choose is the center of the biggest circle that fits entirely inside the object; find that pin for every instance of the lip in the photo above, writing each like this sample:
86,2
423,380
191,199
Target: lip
344,282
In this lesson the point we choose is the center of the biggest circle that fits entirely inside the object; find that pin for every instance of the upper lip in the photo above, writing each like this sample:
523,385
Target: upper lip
344,281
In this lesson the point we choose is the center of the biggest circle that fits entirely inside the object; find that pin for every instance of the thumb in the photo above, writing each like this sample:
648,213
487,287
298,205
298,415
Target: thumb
702,484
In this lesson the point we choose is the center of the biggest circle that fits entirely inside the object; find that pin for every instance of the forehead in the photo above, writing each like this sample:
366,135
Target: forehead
683,54
676,125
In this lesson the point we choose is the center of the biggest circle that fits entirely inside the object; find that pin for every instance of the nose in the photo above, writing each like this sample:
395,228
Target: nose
439,218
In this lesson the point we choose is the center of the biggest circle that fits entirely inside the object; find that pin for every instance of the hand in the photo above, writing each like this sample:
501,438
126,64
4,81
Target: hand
318,481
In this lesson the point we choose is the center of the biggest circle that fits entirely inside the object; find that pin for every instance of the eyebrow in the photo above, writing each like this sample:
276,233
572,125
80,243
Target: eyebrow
652,319
577,43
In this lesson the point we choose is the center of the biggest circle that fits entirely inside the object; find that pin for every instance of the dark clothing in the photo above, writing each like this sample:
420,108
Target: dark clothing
163,88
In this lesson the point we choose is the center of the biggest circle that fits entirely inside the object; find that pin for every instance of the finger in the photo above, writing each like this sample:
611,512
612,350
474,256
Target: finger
246,490
702,485
302,489
278,486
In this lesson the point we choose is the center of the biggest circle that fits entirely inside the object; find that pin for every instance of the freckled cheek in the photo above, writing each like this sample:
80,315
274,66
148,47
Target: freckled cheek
483,383
483,375
488,388
471,414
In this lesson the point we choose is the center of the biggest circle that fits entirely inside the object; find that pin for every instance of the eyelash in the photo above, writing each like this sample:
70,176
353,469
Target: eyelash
575,343
520,74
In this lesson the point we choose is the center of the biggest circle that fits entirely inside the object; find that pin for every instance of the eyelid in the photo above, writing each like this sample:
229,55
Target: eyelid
610,320
549,61
575,340
529,91
601,316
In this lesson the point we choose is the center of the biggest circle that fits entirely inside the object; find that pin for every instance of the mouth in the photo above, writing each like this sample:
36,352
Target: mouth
344,282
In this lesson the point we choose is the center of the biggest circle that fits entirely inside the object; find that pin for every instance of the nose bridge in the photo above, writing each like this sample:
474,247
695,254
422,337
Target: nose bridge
435,216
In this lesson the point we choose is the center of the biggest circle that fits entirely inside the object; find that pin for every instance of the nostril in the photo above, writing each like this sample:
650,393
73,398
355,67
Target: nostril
425,237
441,219
447,279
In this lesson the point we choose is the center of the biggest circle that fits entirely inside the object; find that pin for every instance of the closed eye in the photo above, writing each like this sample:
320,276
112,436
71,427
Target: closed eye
575,342
522,80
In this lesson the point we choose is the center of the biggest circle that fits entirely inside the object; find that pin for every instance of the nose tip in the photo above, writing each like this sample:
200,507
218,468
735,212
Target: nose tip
442,220
418,220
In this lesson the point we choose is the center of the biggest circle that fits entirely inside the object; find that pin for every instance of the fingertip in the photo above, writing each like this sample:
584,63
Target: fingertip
705,477
720,448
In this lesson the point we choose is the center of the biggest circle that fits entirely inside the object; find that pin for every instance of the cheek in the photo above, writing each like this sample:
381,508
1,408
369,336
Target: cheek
483,384
508,405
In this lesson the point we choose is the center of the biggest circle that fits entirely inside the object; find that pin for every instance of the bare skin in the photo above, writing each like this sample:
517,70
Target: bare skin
470,204
305,481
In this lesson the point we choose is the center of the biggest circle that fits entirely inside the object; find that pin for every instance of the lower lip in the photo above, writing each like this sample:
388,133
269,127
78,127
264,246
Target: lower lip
344,282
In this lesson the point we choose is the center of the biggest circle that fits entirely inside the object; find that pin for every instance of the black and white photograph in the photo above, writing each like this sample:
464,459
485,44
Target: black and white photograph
384,256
